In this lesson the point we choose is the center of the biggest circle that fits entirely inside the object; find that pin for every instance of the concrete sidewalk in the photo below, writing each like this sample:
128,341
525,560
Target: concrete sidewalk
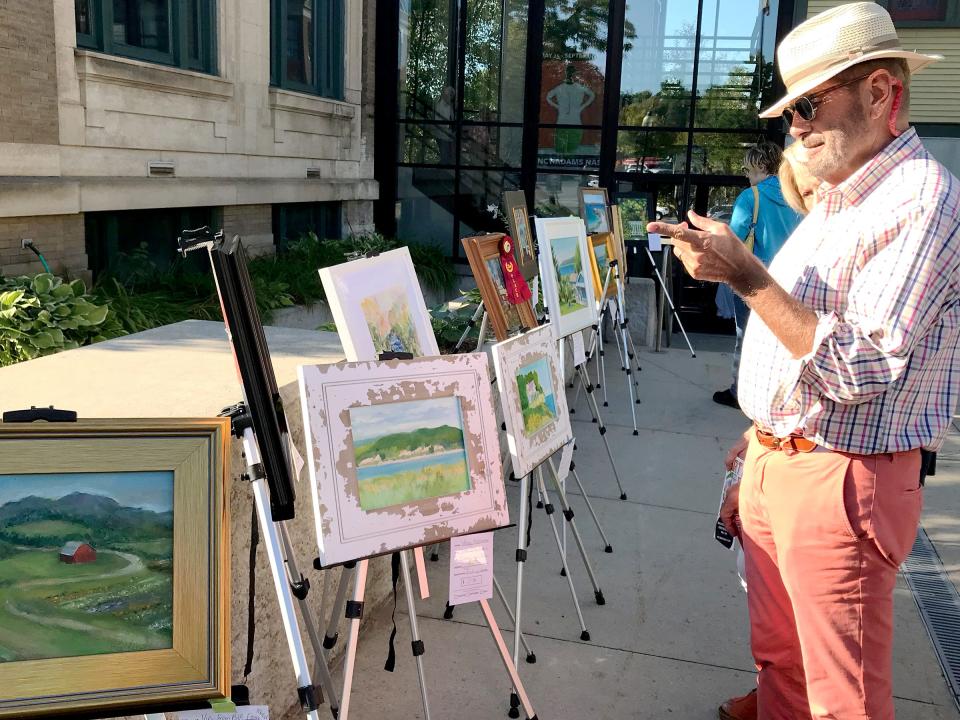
672,639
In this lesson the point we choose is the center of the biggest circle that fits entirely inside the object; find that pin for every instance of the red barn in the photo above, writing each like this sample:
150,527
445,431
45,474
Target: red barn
75,552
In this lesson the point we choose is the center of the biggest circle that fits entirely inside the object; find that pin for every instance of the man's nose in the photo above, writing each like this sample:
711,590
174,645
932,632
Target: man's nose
799,127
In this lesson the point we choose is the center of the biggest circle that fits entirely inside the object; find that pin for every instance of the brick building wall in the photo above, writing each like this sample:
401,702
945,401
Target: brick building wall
253,223
59,237
28,73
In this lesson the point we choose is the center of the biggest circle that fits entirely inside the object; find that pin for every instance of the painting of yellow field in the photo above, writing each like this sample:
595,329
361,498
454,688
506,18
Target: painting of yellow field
409,451
388,318
86,563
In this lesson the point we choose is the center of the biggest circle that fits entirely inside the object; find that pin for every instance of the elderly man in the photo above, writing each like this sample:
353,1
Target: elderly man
849,368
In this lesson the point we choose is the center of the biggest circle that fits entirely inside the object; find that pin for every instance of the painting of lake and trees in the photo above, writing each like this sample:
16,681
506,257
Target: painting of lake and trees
86,564
409,451
537,402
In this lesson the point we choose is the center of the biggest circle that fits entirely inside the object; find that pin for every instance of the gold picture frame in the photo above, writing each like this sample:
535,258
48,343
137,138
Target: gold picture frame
483,254
121,476
619,246
603,248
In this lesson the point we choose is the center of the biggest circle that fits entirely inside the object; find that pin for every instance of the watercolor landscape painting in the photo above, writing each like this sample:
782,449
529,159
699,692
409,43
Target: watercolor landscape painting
595,213
390,323
538,404
525,247
409,451
509,309
568,265
86,564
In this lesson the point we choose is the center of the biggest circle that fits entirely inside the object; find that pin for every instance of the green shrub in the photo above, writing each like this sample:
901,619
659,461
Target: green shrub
43,315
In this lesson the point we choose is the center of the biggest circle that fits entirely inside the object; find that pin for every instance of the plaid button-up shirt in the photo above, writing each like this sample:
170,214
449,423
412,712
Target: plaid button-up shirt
878,259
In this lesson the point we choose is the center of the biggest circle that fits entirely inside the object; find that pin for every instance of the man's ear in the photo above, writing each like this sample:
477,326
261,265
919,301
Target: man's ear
882,88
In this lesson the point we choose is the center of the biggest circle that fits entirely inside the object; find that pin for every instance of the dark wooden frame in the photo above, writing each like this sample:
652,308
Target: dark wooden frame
480,249
581,192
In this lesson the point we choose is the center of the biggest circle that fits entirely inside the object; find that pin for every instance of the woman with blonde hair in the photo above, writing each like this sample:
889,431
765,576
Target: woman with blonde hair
798,186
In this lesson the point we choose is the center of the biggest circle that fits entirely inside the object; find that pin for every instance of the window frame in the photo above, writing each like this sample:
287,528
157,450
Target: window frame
326,219
328,61
951,20
101,39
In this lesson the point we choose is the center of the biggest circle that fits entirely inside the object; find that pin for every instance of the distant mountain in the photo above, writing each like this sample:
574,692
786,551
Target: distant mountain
103,517
397,446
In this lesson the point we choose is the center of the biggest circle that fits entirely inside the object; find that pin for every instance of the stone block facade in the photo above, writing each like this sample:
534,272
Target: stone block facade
59,237
28,72
253,223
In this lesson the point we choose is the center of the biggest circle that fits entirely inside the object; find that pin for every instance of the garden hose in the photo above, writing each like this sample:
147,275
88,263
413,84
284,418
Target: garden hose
30,246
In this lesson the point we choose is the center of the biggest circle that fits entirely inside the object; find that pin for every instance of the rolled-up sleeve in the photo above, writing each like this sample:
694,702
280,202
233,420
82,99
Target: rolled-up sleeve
895,301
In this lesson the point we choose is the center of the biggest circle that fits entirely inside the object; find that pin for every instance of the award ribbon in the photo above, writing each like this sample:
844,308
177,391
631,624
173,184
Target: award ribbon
517,289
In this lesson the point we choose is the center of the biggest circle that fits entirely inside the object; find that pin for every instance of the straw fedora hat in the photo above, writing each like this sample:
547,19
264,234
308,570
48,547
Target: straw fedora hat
832,41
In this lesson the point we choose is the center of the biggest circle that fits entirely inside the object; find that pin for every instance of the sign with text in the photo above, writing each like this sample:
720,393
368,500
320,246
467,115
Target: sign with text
471,568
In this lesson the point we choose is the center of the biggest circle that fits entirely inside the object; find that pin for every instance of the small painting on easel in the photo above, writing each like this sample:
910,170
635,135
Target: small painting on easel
409,451
534,403
401,453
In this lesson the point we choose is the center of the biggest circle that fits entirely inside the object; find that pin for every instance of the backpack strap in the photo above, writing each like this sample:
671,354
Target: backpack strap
751,235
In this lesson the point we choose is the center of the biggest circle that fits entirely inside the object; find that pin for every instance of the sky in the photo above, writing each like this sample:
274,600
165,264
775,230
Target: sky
147,490
373,421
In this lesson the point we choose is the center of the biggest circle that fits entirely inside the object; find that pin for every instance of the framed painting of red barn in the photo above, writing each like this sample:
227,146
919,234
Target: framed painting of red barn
114,565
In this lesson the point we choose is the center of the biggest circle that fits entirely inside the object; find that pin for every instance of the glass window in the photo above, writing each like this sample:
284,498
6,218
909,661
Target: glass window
658,49
142,24
720,153
558,195
571,148
736,64
298,26
651,151
181,33
574,62
425,203
481,198
291,221
428,143
307,44
490,145
427,59
139,241
84,21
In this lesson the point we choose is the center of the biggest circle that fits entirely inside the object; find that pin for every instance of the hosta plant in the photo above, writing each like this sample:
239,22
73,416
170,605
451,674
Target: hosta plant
42,315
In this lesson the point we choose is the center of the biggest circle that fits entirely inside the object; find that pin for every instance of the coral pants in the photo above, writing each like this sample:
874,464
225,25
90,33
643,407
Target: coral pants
824,534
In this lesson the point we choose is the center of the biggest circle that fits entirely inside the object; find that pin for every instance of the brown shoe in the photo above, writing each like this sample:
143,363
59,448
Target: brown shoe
740,708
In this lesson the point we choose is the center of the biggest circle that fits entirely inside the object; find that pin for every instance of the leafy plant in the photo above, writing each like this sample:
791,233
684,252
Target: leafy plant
43,315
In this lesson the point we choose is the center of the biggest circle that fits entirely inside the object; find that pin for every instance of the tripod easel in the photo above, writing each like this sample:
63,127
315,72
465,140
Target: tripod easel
245,332
665,296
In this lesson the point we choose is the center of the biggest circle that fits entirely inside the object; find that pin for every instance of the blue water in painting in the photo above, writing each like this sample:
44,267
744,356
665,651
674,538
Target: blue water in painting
373,471
551,403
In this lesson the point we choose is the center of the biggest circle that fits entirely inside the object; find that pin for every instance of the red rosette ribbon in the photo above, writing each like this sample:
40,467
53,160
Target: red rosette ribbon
517,289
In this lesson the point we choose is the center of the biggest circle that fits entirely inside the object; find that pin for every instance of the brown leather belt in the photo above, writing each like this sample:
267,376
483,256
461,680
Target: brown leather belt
797,443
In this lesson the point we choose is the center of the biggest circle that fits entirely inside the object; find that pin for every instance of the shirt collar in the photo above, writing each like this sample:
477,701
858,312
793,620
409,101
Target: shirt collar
863,181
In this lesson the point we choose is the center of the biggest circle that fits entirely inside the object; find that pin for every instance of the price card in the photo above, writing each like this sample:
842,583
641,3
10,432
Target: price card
653,240
579,353
471,568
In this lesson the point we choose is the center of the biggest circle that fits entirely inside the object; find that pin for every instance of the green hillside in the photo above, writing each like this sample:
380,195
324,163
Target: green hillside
389,447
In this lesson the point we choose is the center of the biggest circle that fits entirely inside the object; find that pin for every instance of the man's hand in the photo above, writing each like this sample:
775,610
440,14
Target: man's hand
738,450
730,510
714,253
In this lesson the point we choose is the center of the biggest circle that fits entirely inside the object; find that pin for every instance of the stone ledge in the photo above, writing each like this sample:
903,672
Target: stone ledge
307,104
100,67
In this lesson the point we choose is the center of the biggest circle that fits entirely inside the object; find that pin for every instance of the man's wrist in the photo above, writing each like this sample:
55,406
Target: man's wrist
751,280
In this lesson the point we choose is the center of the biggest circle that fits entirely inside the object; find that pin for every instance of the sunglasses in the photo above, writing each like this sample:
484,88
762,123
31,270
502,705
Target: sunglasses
806,105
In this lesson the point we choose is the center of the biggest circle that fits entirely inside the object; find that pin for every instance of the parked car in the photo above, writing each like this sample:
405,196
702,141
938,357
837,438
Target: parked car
721,213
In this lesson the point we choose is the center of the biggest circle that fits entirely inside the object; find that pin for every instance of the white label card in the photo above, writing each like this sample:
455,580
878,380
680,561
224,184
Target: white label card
653,240
471,568
579,353
248,712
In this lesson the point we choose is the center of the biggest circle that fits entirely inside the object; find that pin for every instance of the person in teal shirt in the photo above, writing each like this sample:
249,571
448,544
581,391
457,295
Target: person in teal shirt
776,220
